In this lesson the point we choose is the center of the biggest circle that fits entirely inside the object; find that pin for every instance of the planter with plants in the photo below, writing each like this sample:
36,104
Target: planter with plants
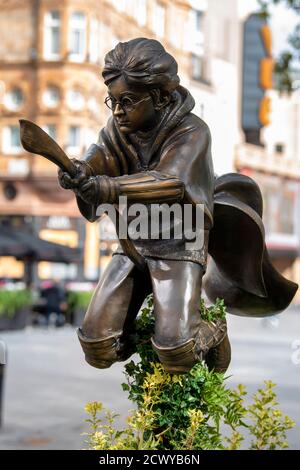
78,302
193,411
14,308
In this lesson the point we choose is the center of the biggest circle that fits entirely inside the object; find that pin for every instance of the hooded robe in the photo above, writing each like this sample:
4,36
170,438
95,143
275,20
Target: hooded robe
178,168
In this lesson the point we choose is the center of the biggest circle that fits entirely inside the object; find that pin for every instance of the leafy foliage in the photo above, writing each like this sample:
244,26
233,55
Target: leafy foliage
189,411
282,71
13,300
265,6
79,300
283,67
214,312
268,425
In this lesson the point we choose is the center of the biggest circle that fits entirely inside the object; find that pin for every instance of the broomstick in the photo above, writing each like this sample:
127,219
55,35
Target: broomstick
37,141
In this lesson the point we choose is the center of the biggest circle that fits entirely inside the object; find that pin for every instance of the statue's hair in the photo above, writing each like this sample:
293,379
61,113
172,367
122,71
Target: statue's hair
142,62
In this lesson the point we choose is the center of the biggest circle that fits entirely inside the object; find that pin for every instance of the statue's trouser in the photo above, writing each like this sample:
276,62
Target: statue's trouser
181,337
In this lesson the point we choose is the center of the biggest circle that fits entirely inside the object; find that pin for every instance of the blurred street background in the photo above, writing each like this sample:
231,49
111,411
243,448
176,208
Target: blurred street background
234,62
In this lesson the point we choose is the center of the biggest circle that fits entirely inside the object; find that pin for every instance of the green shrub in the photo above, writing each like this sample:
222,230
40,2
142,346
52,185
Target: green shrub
188,411
267,425
79,299
214,312
13,300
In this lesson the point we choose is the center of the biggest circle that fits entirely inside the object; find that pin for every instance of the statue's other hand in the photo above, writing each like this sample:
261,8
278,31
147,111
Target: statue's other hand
66,181
88,191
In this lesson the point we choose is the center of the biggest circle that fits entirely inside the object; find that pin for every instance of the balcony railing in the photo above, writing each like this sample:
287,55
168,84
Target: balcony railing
254,157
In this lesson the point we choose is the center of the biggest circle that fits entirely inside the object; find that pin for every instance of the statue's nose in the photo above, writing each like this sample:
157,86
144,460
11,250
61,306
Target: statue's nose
118,110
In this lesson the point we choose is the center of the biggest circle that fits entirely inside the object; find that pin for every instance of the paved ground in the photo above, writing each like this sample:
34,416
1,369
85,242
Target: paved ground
48,382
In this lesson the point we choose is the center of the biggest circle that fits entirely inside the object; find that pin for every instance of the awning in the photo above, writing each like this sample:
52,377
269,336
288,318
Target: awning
24,245
10,247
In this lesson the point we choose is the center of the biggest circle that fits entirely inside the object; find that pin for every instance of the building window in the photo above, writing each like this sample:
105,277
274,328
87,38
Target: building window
175,26
159,14
75,100
93,105
279,148
102,38
88,135
11,140
202,111
198,19
280,207
51,97
14,99
77,36
197,67
51,130
52,35
74,138
94,41
141,12
195,33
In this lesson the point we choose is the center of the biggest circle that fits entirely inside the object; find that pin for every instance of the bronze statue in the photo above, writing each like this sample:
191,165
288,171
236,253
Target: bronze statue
154,150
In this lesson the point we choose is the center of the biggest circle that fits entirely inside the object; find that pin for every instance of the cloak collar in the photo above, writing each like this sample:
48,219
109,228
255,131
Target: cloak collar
182,104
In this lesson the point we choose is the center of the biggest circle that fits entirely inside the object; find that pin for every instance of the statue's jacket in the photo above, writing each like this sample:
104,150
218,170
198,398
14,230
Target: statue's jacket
177,168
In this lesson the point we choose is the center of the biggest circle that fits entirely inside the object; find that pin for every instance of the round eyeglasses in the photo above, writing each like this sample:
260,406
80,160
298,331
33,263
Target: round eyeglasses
126,103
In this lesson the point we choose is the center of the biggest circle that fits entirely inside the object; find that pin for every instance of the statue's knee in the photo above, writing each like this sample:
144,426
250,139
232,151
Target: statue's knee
100,353
177,359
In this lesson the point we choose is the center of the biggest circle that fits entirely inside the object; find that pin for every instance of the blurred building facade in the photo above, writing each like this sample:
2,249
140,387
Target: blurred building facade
255,130
51,54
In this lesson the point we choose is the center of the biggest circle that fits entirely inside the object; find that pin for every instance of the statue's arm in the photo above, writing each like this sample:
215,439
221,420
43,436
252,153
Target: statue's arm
144,187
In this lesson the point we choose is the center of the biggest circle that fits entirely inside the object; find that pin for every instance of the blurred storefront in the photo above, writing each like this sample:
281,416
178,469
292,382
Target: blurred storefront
48,246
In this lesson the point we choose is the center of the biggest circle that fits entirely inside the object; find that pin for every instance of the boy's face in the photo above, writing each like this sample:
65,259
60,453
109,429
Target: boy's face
132,109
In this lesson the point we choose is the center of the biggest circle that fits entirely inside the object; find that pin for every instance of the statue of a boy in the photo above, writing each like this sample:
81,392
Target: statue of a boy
154,150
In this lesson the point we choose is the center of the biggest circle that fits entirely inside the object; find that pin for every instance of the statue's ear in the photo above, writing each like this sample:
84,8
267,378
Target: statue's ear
161,100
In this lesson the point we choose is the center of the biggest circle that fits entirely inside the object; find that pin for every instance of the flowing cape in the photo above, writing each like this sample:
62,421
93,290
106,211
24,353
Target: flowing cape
239,269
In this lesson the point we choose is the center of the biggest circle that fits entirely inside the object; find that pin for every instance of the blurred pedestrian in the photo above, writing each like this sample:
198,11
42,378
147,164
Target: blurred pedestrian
54,297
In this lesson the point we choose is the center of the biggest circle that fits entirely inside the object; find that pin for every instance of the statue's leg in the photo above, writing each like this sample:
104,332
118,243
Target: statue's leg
181,337
104,335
